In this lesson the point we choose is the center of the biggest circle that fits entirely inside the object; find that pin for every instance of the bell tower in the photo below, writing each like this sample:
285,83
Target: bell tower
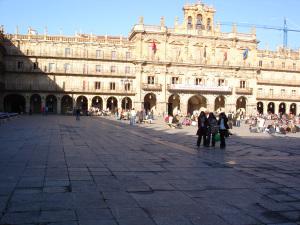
198,16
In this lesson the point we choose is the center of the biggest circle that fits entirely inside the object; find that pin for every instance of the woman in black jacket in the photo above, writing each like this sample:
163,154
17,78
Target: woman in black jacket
223,128
202,129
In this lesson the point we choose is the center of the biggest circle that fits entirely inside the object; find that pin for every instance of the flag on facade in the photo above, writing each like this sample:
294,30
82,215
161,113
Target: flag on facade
225,56
154,48
245,54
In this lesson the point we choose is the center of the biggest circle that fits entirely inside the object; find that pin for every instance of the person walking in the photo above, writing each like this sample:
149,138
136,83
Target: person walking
212,130
223,128
77,114
202,129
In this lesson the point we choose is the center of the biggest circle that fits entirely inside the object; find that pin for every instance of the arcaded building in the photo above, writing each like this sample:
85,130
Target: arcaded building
191,66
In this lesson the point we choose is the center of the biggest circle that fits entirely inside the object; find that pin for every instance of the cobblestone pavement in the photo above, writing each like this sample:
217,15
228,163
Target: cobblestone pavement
98,171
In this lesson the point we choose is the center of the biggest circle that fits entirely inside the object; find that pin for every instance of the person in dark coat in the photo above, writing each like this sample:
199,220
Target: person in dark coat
223,128
202,129
212,129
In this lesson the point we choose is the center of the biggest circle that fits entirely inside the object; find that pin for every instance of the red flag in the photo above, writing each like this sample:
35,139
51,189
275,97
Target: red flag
225,56
154,48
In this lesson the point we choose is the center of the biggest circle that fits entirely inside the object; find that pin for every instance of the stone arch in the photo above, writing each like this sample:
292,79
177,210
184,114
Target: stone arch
220,104
82,104
51,103
173,104
112,104
149,102
293,109
126,103
35,103
97,102
271,107
197,103
260,107
241,104
14,103
66,104
282,108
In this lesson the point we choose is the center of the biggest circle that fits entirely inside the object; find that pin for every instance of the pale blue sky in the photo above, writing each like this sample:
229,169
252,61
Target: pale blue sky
116,17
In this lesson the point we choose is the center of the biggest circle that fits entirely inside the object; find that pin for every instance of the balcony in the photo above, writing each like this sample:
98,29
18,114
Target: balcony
278,97
57,89
295,83
199,88
244,91
151,87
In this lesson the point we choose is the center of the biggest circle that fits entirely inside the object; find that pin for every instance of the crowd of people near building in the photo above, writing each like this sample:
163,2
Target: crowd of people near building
274,123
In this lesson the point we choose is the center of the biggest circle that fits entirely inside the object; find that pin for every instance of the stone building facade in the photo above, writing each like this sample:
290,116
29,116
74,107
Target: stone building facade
192,66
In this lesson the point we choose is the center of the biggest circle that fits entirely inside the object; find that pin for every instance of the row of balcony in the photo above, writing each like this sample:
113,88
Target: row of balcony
54,88
282,82
107,73
195,88
285,97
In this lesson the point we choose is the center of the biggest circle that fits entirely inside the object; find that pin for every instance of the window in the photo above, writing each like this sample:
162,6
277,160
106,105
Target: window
112,86
189,23
283,65
199,21
127,86
259,91
127,69
128,55
294,66
282,92
260,63
150,79
198,81
272,64
221,82
64,85
98,68
242,84
271,92
113,54
293,92
83,85
51,67
20,65
113,69
67,52
67,67
35,65
175,80
97,85
208,27
98,53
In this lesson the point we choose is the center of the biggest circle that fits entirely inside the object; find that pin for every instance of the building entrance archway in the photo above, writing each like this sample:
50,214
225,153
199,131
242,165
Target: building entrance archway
35,103
282,108
293,109
149,102
82,104
97,102
196,103
126,103
220,104
112,104
66,104
14,103
260,108
271,107
241,104
173,104
51,103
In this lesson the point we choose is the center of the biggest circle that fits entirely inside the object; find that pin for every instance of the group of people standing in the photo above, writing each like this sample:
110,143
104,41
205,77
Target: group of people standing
209,127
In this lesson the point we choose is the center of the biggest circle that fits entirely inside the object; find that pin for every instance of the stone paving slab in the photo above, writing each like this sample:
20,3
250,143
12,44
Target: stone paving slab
55,170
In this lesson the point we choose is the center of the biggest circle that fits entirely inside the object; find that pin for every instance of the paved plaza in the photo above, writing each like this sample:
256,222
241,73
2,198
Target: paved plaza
55,170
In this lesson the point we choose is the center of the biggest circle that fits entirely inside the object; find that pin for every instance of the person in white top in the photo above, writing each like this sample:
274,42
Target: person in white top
132,116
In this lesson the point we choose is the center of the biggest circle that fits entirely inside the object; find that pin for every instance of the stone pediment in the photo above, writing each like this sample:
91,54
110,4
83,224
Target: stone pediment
223,46
151,40
198,45
176,43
